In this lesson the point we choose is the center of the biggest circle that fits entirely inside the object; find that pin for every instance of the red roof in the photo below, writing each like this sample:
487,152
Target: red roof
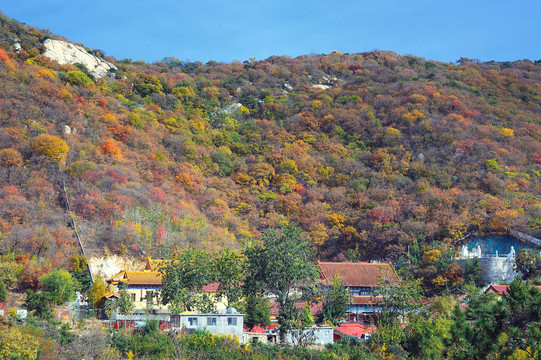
502,289
211,287
355,329
314,308
259,329
358,274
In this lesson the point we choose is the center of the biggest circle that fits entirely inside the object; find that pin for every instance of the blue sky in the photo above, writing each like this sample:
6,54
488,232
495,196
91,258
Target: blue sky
236,30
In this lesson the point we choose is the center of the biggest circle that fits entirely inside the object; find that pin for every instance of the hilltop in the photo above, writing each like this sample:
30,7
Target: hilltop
367,153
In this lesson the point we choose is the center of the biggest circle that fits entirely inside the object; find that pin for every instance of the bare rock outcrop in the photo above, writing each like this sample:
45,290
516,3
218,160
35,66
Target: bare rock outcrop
107,266
68,53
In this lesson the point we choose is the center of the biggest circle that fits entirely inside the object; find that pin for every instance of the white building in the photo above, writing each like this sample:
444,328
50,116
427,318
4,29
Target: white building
229,322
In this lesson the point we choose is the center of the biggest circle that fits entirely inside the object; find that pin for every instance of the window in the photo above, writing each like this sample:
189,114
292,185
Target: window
232,321
132,297
192,321
211,321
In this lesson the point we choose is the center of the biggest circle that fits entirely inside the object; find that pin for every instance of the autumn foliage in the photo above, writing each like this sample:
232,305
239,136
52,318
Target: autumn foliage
50,146
366,153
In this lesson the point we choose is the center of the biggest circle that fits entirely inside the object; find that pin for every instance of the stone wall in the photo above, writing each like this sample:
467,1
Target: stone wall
496,270
525,237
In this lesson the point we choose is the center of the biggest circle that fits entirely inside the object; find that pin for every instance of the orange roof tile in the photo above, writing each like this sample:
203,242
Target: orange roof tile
358,274
143,278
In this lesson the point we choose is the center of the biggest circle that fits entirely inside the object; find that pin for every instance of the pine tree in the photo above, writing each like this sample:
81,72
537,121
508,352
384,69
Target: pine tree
3,292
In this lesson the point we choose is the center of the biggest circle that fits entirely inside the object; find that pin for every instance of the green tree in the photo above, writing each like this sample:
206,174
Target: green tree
183,279
256,310
111,307
125,303
60,286
279,265
41,303
335,301
3,292
78,78
228,271
472,271
528,263
400,299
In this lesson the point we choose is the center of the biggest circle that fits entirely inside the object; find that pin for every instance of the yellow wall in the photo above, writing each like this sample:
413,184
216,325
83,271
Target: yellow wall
140,302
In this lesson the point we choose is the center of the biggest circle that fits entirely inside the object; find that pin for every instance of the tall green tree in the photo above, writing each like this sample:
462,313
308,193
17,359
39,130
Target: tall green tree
183,279
229,274
335,300
280,264
60,286
256,311
125,303
3,292
400,299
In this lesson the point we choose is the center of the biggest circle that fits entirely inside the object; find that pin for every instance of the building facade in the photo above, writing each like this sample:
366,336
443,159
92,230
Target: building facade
363,280
144,287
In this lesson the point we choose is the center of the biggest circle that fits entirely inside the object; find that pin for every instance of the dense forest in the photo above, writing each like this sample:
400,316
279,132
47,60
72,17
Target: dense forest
368,153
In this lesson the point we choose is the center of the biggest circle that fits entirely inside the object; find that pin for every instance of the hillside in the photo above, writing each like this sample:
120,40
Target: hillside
368,151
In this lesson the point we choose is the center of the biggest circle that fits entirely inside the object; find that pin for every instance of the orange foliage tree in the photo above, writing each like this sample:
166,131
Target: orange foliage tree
50,146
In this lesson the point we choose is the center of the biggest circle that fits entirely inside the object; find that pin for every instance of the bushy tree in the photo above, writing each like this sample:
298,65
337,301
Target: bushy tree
280,265
229,274
97,292
3,292
60,286
78,78
183,279
528,263
335,301
125,303
50,146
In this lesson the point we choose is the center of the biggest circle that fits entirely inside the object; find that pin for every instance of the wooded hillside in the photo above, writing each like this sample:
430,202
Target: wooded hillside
363,151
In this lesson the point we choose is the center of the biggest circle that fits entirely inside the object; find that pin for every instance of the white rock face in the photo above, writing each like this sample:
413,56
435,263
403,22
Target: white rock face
67,53
232,108
321,87
108,266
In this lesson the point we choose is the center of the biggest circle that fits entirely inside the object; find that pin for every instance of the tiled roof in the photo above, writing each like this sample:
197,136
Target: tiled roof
258,329
498,289
355,329
358,274
148,277
143,278
116,276
502,289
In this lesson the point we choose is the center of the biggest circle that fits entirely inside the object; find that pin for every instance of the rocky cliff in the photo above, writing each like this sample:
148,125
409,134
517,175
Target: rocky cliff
67,53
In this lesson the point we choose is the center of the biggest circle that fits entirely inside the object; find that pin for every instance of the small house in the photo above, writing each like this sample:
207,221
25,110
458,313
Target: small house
229,322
